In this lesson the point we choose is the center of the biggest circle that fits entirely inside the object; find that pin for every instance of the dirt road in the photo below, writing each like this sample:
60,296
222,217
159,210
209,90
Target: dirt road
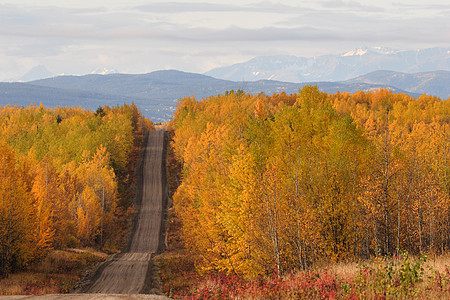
130,271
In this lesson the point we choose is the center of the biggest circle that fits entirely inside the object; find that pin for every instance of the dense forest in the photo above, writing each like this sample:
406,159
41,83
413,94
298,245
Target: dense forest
66,179
283,182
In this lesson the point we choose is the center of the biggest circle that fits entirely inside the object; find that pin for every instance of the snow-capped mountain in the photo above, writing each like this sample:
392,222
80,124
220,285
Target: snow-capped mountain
104,71
339,67
38,72
358,51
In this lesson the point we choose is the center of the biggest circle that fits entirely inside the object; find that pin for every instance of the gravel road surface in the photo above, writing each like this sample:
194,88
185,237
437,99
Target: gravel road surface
129,272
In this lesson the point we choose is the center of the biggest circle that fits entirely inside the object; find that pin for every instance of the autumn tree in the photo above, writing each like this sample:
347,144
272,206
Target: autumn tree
16,215
281,182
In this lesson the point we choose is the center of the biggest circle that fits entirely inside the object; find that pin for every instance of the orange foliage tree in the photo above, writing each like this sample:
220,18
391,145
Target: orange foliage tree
66,178
281,182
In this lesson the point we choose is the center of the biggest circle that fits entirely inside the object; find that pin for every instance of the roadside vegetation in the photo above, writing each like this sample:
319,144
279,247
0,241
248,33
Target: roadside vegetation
272,192
382,277
402,277
57,273
66,183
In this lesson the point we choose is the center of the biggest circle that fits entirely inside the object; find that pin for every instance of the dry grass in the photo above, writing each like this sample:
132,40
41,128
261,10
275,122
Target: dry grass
439,263
27,283
344,270
436,275
56,273
176,270
91,251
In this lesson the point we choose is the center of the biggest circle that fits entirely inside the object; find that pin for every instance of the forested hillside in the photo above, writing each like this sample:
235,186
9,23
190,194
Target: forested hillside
66,179
280,183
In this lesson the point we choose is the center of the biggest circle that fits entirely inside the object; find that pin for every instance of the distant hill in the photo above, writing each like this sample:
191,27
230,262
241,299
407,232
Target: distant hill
167,87
24,94
162,86
156,93
335,67
16,93
435,83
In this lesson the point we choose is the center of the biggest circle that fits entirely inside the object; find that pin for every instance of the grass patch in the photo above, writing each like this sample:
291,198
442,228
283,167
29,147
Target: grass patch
57,273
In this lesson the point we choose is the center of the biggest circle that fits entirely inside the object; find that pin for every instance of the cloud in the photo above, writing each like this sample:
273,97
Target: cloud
352,6
188,7
266,34
299,24
375,30
183,7
32,48
424,5
189,35
178,33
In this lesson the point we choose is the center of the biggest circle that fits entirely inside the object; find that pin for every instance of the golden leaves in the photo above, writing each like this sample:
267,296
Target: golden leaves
58,185
272,183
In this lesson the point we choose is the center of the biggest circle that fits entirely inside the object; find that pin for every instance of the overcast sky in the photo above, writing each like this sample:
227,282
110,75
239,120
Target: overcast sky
136,36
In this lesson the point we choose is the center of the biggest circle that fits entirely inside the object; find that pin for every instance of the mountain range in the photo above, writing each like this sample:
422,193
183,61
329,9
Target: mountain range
339,67
41,72
156,93
436,83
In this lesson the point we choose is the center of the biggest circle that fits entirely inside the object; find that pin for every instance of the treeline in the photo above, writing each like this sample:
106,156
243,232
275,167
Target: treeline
66,179
279,183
